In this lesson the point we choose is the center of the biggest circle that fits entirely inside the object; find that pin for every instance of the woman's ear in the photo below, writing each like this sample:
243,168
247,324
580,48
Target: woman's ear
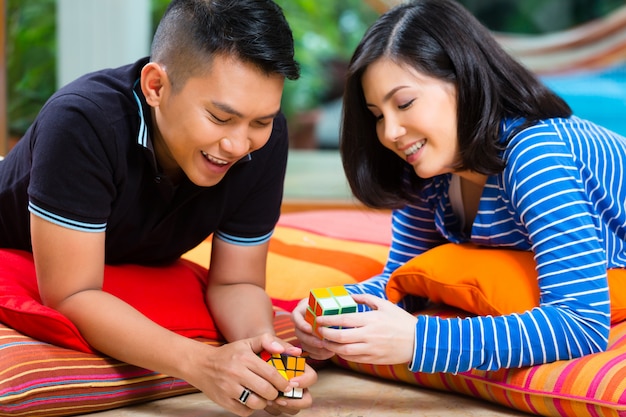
153,81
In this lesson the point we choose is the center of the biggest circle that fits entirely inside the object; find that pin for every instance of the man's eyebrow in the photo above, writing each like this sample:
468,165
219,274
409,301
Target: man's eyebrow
228,109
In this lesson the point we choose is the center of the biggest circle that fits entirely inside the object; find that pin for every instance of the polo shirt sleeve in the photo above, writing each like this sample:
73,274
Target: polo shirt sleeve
72,177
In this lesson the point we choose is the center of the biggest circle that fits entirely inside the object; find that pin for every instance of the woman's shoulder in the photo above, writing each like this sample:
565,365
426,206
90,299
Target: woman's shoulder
531,149
571,135
541,137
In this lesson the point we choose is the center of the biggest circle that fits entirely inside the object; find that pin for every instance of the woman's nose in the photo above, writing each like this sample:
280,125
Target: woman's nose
393,129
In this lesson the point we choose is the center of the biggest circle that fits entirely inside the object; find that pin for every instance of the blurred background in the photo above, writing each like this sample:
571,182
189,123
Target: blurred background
49,42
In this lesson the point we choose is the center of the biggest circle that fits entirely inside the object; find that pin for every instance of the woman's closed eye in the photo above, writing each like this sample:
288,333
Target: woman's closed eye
406,105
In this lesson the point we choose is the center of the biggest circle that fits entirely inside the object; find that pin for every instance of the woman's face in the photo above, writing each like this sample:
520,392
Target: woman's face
415,116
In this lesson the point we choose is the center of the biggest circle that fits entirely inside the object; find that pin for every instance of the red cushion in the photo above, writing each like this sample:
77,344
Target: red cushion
171,295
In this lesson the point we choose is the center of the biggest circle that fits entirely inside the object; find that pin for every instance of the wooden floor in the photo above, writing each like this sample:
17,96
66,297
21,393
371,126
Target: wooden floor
339,393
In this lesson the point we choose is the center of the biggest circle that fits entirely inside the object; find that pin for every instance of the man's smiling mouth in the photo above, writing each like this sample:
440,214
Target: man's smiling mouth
213,160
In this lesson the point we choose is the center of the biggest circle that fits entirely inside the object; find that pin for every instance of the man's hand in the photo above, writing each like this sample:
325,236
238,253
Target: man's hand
223,373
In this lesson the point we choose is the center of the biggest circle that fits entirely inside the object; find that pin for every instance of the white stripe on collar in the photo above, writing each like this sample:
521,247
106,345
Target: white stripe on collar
142,136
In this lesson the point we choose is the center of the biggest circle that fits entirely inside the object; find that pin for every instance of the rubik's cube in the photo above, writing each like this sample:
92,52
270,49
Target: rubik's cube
288,366
328,301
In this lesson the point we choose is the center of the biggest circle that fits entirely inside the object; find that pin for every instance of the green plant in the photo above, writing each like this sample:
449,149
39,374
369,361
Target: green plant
325,31
31,64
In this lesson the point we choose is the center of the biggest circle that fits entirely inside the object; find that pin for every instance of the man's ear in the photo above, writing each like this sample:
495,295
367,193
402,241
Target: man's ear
153,80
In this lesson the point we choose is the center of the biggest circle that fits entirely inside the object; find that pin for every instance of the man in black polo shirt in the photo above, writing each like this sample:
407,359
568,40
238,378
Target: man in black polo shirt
141,163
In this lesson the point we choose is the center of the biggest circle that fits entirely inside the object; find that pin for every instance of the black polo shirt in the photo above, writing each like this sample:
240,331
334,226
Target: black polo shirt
87,163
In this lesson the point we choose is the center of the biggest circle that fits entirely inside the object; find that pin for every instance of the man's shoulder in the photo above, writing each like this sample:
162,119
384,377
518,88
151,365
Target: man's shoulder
108,89
101,102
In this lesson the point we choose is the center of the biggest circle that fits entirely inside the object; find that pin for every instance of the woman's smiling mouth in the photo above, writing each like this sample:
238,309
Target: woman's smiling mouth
414,148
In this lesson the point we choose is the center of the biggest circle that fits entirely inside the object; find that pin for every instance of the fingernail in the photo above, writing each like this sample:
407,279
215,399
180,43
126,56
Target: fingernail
276,345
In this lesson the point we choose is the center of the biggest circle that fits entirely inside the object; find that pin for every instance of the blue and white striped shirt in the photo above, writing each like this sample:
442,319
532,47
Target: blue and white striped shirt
561,195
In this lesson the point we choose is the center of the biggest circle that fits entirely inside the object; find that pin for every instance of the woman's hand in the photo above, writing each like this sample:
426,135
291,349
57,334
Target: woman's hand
223,373
384,335
310,342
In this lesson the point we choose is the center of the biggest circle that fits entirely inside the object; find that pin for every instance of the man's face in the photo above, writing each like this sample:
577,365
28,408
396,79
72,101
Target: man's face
215,120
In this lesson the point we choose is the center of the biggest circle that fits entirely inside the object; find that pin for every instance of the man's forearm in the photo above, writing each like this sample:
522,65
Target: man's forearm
250,315
116,329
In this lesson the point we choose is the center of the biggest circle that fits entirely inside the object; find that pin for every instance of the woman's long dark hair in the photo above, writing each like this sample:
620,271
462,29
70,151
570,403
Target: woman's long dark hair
441,39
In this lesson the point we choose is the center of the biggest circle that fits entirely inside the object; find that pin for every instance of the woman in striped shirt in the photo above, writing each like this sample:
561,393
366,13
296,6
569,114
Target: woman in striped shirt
466,145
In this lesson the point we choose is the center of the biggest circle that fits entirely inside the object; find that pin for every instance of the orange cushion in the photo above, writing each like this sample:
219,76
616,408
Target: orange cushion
301,259
589,386
484,281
